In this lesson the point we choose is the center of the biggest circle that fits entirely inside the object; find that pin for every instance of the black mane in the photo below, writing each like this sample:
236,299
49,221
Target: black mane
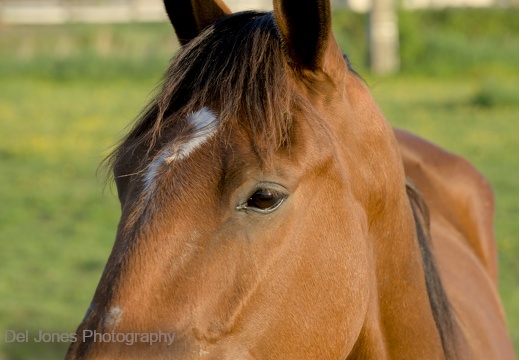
236,68
440,306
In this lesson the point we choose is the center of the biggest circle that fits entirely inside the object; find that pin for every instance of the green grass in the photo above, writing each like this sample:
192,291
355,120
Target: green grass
57,225
60,114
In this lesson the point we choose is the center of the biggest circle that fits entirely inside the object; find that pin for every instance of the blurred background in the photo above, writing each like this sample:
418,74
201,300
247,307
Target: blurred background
74,73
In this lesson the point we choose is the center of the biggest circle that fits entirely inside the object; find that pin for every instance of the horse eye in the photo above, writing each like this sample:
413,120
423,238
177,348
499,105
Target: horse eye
264,201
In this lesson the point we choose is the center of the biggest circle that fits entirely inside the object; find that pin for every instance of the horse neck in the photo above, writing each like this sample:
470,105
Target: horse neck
399,321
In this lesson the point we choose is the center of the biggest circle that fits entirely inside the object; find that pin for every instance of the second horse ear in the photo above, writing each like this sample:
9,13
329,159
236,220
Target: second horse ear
306,27
190,17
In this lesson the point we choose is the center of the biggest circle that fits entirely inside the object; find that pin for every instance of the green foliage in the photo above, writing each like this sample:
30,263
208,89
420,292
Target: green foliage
453,41
494,92
439,42
443,42
349,29
139,51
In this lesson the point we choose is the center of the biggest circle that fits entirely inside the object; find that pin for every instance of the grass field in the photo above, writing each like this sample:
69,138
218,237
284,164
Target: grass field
59,119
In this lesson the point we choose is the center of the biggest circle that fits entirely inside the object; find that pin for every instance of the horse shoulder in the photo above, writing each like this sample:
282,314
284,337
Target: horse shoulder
454,190
461,206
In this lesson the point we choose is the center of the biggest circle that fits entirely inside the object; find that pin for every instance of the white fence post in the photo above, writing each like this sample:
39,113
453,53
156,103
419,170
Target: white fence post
383,37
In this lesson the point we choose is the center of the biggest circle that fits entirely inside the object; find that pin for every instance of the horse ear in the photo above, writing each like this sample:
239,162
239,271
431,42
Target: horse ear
305,27
190,17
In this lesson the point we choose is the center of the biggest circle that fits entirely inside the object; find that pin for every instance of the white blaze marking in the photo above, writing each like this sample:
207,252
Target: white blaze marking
154,168
204,125
112,318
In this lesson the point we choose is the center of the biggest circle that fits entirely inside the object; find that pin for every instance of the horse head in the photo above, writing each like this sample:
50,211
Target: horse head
264,205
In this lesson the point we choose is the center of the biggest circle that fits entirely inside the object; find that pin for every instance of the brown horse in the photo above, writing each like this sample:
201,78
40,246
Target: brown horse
270,212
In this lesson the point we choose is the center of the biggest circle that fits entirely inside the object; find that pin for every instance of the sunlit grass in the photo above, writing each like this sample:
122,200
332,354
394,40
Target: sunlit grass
57,225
